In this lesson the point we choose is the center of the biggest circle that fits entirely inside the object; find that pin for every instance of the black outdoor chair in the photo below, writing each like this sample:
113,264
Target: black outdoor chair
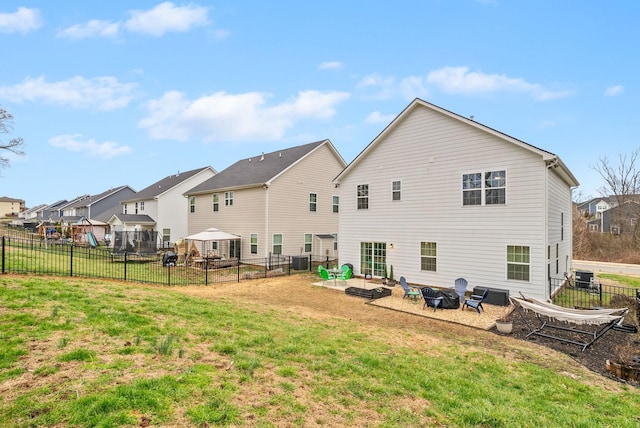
431,298
475,301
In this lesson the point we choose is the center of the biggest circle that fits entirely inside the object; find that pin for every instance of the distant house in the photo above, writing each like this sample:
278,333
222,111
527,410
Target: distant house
439,196
51,212
622,219
91,212
11,207
159,209
279,203
595,207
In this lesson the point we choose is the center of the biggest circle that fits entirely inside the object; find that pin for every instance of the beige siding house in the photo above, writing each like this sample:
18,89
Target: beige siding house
440,196
10,207
282,202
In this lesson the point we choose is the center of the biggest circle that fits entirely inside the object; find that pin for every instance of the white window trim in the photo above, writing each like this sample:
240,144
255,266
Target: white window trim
358,197
436,256
507,263
394,191
483,188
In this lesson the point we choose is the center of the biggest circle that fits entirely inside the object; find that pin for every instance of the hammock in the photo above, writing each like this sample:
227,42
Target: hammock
607,318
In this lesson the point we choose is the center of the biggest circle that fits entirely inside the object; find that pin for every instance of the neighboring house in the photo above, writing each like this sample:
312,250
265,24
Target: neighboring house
90,212
159,208
595,207
31,214
621,220
279,203
51,213
98,207
10,207
439,196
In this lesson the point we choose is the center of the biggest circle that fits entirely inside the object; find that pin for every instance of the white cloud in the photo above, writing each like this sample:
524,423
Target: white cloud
459,80
234,117
612,91
384,87
377,117
93,28
331,65
412,87
75,143
101,93
167,17
22,21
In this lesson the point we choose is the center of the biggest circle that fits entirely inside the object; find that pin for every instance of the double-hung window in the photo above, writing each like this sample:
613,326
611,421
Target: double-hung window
277,243
216,202
192,204
518,262
484,188
228,199
336,203
254,243
313,202
363,196
428,256
396,190
308,242
495,183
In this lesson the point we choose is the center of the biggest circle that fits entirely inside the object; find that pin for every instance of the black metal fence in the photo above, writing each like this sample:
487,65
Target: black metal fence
573,293
33,255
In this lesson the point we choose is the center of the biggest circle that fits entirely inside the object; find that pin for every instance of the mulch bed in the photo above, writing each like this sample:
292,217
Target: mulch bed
594,357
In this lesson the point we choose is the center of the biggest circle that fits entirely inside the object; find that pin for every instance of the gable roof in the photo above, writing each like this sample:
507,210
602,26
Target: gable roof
71,203
133,218
159,187
89,200
551,159
259,170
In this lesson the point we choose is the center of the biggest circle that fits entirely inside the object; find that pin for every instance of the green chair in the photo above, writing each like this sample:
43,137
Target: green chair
326,276
345,276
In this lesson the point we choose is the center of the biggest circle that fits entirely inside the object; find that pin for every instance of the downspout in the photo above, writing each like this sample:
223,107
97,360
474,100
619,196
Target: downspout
266,220
545,249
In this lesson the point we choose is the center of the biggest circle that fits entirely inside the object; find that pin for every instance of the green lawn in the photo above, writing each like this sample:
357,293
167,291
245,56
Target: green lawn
87,353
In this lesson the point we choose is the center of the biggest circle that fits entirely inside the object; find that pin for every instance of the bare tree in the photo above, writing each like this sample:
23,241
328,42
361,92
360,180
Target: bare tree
621,180
622,186
14,145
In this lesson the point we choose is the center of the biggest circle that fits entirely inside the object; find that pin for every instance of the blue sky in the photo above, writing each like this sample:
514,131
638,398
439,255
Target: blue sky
128,92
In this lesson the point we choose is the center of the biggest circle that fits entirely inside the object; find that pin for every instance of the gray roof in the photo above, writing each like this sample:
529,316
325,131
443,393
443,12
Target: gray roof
256,170
165,184
92,199
134,218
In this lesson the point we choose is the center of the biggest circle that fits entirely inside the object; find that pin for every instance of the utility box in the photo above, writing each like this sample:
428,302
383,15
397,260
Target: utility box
300,262
496,296
584,278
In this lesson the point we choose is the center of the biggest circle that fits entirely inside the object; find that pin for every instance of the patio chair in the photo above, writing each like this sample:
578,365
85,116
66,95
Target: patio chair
344,276
320,267
431,298
410,290
475,301
326,275
460,287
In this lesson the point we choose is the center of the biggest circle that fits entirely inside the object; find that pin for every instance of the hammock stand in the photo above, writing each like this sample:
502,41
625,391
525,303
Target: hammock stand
606,319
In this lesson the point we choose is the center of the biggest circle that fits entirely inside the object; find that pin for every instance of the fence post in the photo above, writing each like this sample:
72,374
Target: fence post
3,243
71,261
125,265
